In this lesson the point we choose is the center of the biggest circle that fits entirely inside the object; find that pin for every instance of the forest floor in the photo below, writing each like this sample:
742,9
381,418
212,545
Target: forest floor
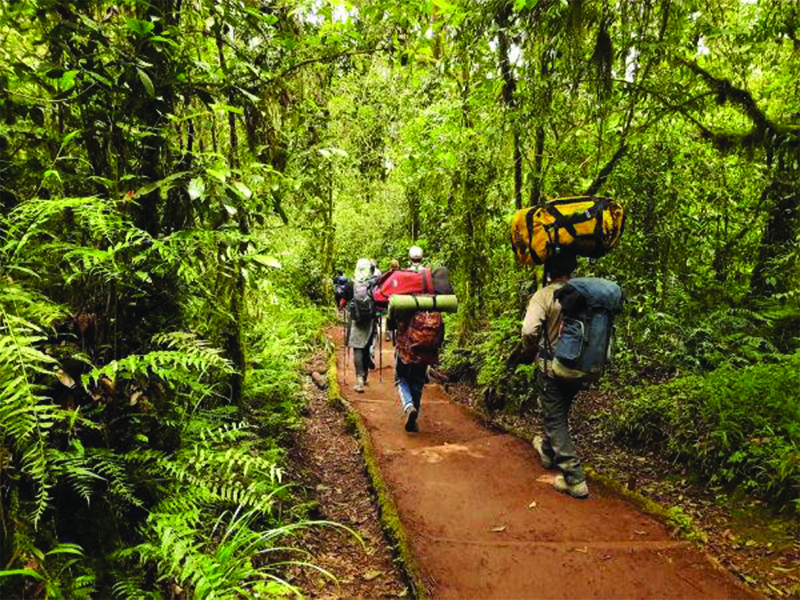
327,462
483,520
752,540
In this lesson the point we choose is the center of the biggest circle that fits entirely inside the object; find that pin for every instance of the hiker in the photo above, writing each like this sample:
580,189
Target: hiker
362,322
342,290
418,337
376,272
415,256
540,330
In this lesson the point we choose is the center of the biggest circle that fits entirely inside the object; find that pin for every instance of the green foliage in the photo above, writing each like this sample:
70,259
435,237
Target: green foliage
731,426
650,339
25,414
220,563
221,465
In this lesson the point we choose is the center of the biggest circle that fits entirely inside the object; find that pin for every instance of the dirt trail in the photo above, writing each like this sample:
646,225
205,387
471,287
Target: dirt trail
483,520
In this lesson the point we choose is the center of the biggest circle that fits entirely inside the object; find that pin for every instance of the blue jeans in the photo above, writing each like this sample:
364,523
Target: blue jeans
410,380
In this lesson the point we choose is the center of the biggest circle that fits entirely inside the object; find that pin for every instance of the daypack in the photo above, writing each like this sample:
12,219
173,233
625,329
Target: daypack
588,306
342,289
419,343
586,225
362,306
407,282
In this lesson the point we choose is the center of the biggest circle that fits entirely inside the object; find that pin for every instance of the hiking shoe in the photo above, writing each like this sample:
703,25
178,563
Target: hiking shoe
411,420
359,386
577,490
538,445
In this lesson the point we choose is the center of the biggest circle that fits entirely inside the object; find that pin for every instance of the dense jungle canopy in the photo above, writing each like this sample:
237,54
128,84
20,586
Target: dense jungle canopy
179,180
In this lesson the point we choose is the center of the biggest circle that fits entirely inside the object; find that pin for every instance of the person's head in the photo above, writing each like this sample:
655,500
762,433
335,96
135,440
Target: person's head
363,270
415,254
561,265
394,264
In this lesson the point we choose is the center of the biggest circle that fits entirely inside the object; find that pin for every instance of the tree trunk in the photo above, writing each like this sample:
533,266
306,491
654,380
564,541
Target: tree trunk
777,240
537,179
509,87
538,158
234,343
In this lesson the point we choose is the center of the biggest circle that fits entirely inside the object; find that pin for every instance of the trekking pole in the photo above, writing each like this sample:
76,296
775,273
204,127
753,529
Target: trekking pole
345,336
380,343
344,373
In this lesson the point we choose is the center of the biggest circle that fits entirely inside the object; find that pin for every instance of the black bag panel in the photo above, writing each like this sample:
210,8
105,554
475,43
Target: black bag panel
362,306
441,281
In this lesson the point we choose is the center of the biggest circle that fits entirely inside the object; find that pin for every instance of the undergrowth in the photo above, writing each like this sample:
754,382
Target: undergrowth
733,427
126,471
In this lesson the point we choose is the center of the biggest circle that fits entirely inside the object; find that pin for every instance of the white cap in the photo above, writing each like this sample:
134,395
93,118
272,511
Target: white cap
415,253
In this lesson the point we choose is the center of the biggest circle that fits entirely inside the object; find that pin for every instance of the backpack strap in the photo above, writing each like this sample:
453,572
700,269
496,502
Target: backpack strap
529,226
561,221
548,353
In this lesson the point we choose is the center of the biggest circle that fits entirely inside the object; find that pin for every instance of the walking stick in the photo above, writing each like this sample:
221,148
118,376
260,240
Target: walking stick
380,358
344,374
346,341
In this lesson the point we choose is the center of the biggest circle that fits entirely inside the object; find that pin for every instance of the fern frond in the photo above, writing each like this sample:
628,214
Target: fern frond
186,365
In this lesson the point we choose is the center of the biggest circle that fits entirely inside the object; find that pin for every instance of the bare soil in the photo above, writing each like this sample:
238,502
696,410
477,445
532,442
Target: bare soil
484,521
327,460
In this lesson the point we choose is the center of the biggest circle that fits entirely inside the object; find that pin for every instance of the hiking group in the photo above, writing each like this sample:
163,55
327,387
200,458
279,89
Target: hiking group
566,328
418,334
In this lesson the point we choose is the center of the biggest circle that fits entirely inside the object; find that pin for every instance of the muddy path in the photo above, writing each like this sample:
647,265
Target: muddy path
483,520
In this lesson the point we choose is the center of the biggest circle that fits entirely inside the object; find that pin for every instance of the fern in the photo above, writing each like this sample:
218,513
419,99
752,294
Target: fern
221,565
186,364
25,414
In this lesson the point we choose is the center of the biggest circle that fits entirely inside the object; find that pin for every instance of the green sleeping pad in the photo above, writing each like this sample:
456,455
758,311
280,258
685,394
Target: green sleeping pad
402,303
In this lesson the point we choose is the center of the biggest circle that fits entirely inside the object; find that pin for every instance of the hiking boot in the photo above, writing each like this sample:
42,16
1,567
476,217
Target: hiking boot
538,445
359,386
577,490
411,419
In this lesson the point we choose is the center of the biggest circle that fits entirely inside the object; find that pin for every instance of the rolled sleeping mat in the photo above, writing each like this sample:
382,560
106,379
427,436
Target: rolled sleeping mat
404,303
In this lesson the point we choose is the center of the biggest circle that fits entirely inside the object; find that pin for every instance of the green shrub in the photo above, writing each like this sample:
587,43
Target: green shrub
732,426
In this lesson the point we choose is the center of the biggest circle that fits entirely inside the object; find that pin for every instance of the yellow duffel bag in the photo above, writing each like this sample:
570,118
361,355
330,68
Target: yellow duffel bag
585,225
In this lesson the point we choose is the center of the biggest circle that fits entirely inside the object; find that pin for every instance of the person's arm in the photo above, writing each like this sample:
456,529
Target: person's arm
533,324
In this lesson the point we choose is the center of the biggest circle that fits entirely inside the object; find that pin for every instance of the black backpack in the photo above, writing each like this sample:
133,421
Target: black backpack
342,289
362,307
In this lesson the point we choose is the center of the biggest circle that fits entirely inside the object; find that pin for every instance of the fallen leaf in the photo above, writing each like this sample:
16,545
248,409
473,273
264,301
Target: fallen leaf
606,557
65,379
372,575
499,529
640,532
584,550
532,504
